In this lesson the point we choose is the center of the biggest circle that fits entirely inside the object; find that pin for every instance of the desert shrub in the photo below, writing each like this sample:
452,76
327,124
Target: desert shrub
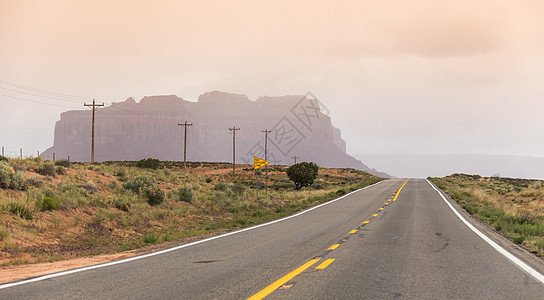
47,203
123,203
47,169
121,172
150,238
18,209
6,173
208,180
145,186
89,186
341,192
63,163
61,170
34,181
18,181
3,158
222,186
138,184
19,167
154,194
149,163
302,174
9,179
185,194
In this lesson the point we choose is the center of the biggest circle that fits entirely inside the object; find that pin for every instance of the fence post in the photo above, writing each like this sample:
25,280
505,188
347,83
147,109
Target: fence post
53,156
21,149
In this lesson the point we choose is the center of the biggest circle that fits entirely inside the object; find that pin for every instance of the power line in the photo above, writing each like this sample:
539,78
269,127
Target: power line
34,101
43,91
41,96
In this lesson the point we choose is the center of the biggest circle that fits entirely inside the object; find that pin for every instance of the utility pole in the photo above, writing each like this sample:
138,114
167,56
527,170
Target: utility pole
266,131
295,157
233,129
185,144
94,106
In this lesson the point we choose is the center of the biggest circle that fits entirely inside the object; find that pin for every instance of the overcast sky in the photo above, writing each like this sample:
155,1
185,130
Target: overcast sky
399,77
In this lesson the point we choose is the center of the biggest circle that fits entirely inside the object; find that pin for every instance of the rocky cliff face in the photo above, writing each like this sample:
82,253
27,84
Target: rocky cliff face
131,131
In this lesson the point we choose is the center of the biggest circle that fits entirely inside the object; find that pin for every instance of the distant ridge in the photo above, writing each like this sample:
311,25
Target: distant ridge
133,130
422,166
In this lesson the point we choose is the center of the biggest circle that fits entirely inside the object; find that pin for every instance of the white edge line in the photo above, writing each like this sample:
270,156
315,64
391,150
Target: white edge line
518,262
117,262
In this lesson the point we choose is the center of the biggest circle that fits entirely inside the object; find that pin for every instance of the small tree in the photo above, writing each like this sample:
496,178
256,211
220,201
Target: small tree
302,174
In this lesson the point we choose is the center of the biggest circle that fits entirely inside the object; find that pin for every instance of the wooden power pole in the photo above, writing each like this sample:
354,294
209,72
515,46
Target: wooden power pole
266,131
233,129
185,144
295,157
94,106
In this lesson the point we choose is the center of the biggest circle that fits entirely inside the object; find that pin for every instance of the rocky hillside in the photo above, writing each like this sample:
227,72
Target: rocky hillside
131,131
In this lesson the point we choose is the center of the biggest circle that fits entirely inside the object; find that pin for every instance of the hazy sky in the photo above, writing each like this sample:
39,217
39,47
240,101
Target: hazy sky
399,77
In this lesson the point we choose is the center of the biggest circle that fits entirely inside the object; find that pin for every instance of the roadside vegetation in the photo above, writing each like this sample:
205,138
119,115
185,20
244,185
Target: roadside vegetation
514,207
59,210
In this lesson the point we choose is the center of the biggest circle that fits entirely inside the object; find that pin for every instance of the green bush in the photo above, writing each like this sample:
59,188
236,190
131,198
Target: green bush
6,173
9,179
3,158
47,169
341,192
61,170
185,194
47,203
150,238
302,174
63,163
149,163
145,186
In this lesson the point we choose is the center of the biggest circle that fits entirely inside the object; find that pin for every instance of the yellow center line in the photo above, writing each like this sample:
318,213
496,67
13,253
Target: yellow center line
269,289
381,208
334,247
324,264
353,231
400,189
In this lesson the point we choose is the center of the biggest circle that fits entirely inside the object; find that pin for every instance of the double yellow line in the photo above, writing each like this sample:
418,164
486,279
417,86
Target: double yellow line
274,286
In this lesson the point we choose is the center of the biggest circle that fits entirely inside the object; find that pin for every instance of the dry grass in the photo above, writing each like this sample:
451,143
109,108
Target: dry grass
515,207
91,212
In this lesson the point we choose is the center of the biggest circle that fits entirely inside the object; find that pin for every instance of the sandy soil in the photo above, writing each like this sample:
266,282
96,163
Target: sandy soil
13,273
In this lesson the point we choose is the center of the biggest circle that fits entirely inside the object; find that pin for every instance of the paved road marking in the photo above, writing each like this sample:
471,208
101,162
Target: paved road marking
333,247
269,289
324,264
400,189
265,292
522,265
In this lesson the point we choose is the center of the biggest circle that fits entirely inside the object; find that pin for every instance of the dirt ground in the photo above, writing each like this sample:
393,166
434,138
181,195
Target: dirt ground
14,273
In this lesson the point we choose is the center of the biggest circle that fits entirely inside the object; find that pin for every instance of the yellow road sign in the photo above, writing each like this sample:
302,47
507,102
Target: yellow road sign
257,162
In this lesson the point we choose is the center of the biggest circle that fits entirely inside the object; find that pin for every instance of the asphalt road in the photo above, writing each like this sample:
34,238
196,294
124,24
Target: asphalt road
411,248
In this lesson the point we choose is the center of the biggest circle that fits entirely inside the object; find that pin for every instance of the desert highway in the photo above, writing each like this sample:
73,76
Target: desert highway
396,239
